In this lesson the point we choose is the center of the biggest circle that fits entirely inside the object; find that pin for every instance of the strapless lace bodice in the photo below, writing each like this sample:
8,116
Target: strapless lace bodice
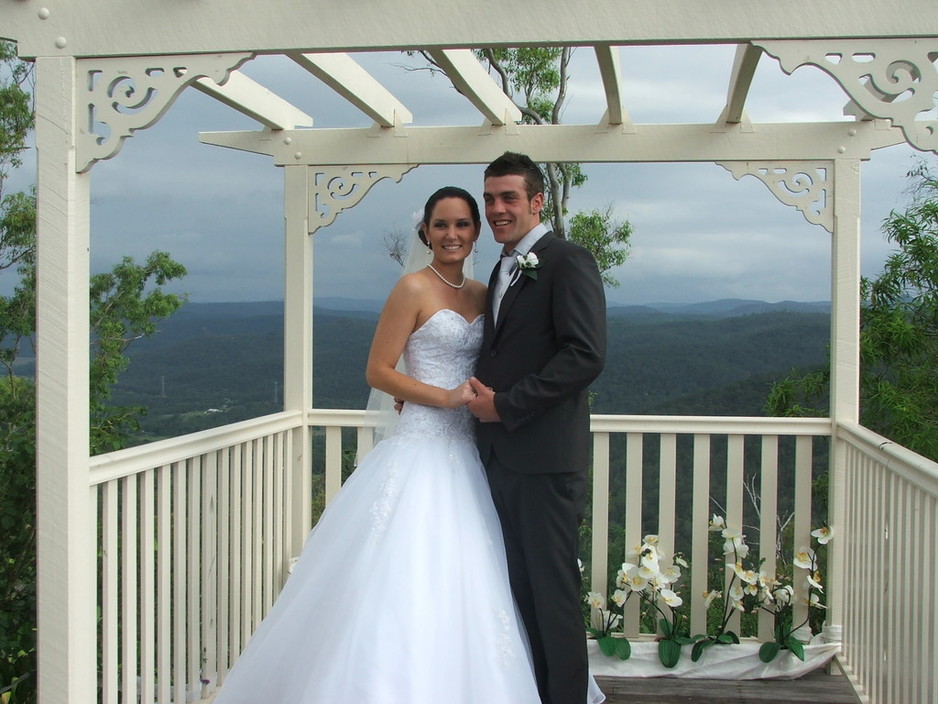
442,352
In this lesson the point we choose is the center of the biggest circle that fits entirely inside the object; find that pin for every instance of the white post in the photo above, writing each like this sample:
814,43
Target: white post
298,345
65,501
845,356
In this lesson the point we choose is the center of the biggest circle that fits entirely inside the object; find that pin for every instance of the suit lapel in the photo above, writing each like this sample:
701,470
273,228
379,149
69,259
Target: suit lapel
490,302
511,295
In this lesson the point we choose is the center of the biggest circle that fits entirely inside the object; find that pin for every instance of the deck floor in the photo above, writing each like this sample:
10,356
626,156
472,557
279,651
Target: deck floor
819,687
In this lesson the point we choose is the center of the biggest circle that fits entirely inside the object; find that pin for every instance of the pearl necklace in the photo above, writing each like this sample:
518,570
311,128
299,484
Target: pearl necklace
445,281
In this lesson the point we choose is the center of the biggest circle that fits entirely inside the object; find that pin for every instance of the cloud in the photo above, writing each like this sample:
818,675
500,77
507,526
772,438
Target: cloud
699,234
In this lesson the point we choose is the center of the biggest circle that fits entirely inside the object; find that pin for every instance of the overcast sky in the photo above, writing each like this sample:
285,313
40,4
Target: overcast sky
698,233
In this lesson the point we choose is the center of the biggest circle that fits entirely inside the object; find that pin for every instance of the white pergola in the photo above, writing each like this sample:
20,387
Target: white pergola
106,68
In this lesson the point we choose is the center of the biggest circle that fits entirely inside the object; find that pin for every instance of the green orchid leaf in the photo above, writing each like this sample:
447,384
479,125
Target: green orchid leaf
768,651
699,647
607,644
665,628
795,646
669,652
623,648
728,638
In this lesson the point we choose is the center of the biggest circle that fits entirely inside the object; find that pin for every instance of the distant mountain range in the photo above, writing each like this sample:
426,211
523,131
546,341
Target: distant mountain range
723,308
215,363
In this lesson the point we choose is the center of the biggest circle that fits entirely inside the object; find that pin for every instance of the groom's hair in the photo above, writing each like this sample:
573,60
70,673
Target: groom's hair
514,164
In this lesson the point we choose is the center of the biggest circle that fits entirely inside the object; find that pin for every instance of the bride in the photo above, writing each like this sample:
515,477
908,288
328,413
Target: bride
401,594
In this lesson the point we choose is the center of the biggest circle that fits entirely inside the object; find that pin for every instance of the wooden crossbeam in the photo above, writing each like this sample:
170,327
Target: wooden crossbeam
347,78
254,100
608,59
472,80
744,68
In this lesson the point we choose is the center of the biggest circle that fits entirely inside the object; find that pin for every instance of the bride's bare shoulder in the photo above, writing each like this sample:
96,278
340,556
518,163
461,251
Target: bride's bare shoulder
410,292
479,291
414,285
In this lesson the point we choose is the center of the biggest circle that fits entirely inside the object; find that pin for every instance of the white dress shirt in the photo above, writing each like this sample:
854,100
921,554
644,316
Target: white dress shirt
509,271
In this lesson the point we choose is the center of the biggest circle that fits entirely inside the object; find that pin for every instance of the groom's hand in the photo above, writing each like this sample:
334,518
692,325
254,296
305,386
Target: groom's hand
483,405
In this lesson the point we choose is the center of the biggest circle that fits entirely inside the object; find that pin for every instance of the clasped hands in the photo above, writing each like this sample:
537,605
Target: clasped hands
472,393
482,403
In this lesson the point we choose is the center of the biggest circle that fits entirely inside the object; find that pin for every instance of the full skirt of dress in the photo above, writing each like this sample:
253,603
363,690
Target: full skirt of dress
400,596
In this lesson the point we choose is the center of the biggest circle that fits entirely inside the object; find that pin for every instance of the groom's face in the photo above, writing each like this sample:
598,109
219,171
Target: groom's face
508,211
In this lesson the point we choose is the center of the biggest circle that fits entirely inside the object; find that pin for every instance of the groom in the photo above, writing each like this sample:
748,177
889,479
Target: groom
544,342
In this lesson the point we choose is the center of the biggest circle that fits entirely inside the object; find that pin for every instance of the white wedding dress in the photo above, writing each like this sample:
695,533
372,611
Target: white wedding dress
401,594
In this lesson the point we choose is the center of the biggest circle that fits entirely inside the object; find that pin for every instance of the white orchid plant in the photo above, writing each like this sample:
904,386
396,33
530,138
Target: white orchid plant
749,589
654,579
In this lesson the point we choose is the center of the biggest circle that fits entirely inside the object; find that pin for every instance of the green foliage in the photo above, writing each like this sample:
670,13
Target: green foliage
17,249
615,647
17,405
124,308
606,239
534,72
703,642
16,115
898,335
17,539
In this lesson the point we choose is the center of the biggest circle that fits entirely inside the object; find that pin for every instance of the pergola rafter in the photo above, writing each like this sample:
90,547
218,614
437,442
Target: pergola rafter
347,78
744,69
611,74
250,98
471,79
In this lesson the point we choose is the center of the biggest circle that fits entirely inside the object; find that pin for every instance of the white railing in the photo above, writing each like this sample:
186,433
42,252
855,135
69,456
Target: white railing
736,467
890,583
195,533
714,455
194,536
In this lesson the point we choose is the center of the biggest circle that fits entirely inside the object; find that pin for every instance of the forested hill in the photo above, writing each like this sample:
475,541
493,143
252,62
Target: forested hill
212,364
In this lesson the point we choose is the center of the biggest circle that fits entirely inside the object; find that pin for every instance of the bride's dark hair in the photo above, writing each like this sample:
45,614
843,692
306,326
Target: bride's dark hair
447,192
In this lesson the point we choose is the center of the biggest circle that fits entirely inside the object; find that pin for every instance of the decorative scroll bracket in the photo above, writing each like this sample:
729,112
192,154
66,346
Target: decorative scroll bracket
805,185
131,93
339,188
894,79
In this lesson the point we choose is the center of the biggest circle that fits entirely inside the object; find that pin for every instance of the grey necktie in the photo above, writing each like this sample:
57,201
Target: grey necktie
507,268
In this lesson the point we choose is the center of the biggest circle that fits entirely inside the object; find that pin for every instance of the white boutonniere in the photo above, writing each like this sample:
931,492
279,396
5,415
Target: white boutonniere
528,264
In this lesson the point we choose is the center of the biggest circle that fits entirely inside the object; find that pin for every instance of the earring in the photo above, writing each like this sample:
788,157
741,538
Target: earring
475,247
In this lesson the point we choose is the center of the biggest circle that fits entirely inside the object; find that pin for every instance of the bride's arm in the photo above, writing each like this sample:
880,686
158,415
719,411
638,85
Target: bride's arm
398,320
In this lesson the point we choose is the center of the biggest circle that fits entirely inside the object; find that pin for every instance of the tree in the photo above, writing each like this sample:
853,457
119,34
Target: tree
898,334
126,303
17,412
607,239
395,243
535,78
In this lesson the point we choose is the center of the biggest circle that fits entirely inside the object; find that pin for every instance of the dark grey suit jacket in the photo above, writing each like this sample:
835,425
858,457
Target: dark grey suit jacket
547,346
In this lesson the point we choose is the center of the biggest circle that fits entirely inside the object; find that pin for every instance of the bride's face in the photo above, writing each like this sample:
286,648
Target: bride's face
451,231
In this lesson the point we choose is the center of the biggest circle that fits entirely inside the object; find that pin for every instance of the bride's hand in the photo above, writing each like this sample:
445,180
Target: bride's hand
460,396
